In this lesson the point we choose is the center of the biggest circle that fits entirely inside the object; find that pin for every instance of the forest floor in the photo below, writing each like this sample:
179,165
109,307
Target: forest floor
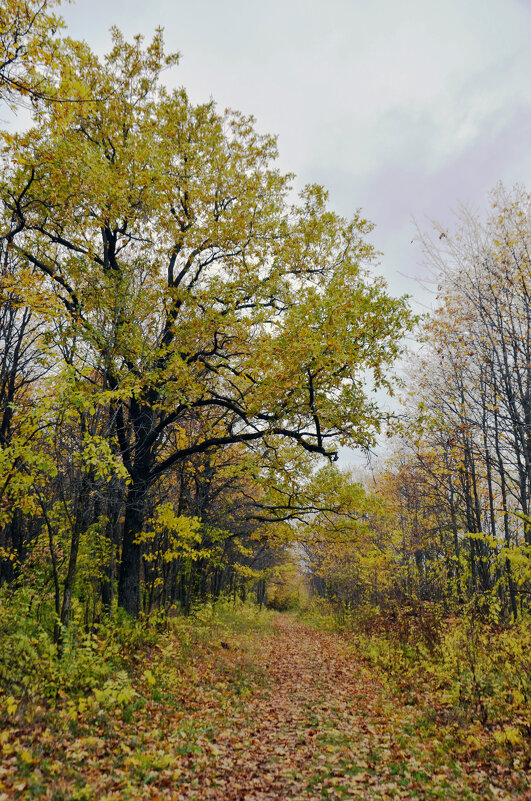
276,711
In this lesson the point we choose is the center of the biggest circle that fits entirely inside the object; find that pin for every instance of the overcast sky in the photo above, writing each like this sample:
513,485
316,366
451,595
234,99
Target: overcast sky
401,107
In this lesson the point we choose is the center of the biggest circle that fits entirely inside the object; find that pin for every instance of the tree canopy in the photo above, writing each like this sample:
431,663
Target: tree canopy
28,49
193,299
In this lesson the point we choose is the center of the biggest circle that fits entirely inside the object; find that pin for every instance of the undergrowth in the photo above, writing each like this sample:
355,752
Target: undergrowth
96,665
124,702
469,674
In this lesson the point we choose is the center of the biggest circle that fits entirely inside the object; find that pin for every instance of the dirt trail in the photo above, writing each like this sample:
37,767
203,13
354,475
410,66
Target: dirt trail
277,747
323,727
246,713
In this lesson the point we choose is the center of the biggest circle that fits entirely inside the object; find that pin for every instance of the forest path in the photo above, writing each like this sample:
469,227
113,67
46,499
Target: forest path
252,708
323,727
307,730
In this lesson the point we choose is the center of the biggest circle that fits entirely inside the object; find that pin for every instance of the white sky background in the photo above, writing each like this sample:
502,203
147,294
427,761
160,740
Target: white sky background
401,107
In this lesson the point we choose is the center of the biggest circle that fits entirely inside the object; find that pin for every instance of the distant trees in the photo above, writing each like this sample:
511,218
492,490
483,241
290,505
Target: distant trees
480,347
457,488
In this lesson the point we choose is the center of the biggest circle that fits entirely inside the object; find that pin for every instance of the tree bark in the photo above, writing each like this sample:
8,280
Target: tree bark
130,565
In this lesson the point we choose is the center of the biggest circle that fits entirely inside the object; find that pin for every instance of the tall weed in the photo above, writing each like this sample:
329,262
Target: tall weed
478,672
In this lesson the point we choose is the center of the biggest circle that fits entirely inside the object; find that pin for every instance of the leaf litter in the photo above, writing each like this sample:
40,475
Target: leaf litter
288,712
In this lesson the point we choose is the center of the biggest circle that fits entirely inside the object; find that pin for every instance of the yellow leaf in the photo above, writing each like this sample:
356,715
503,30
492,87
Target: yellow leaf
12,705
149,677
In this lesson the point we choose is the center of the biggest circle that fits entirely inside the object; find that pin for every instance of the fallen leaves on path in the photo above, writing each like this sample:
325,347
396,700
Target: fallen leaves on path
282,714
325,728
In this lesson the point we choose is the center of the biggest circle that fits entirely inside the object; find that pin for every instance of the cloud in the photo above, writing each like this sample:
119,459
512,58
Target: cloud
400,108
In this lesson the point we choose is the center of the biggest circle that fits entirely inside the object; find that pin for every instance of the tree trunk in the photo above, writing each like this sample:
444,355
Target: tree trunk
129,574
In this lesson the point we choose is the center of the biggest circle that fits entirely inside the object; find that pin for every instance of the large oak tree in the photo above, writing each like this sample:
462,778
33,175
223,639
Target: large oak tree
193,288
